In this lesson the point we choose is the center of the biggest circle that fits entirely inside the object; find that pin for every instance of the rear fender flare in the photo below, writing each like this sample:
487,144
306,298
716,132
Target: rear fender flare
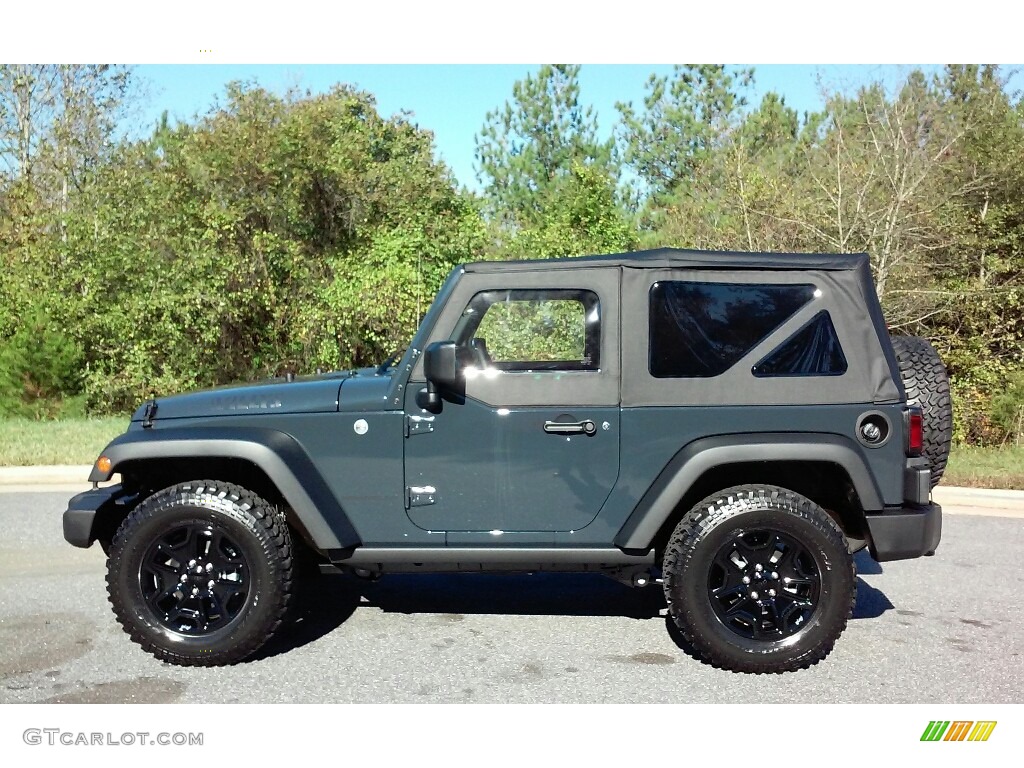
687,467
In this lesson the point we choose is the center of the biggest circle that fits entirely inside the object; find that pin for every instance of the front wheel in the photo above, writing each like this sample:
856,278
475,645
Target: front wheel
201,573
759,579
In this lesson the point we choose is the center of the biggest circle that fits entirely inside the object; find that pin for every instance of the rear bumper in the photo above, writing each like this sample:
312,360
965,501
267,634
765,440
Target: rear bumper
905,532
87,514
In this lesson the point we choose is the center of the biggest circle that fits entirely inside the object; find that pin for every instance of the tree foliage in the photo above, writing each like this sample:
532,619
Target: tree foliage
527,149
275,233
40,371
295,231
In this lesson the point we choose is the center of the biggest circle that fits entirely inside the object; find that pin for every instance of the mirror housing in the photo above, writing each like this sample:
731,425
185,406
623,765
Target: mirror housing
441,367
441,364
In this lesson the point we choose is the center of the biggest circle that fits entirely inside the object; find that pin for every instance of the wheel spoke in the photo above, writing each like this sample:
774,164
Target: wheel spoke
224,551
772,610
751,550
204,544
225,591
183,547
741,609
786,587
789,583
731,560
213,610
182,611
166,590
727,591
194,579
783,564
792,607
161,569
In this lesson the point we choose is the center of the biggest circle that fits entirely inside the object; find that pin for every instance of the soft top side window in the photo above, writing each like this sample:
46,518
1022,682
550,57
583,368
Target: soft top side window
700,330
814,350
533,329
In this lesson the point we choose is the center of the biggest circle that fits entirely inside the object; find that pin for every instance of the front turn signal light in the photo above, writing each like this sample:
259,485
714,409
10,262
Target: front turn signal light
103,464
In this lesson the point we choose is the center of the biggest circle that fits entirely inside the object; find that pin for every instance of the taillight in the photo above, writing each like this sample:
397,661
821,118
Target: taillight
915,432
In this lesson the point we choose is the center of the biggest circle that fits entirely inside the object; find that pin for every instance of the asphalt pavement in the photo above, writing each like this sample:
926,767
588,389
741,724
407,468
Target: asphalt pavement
943,629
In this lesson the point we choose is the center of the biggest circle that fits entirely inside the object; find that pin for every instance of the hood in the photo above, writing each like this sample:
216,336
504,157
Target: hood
306,394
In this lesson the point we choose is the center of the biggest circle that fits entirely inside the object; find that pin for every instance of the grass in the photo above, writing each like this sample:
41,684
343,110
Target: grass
24,443
986,467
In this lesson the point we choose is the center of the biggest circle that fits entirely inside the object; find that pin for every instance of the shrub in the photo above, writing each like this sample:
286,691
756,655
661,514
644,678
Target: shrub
1008,409
40,371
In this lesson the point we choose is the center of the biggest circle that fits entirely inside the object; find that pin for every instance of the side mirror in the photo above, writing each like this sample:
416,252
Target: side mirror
441,367
441,364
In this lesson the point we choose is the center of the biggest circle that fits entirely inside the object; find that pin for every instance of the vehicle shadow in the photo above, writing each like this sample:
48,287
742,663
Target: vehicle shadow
325,603
538,594
320,606
871,601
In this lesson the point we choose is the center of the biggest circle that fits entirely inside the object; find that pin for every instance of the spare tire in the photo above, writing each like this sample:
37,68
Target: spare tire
927,385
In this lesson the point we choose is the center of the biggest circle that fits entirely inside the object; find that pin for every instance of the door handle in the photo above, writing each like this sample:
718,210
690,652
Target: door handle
570,428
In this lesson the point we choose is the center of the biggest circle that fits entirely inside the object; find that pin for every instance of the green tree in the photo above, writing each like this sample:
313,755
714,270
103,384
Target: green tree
40,370
581,216
980,272
277,233
527,148
685,118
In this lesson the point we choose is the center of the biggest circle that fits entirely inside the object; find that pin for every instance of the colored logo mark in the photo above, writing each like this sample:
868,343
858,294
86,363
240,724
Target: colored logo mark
958,730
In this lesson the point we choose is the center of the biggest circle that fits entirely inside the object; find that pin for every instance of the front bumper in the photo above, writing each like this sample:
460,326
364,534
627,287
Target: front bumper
90,515
905,532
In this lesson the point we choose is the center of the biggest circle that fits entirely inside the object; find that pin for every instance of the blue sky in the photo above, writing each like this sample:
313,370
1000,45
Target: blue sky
452,100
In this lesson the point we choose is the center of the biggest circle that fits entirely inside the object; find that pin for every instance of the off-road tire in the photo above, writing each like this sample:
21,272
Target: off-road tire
746,510
927,385
256,532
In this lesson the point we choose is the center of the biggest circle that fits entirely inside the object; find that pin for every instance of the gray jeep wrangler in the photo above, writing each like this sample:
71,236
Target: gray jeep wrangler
732,426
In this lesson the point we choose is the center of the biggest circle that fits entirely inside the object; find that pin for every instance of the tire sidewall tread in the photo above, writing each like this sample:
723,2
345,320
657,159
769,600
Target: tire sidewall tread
261,530
696,539
927,386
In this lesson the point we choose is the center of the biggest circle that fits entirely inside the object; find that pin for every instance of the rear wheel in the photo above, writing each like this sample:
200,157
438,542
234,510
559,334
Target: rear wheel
927,385
759,579
201,573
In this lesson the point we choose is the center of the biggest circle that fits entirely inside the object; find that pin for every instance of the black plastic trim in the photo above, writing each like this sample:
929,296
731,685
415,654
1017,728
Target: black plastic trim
511,556
686,468
917,482
80,516
905,532
279,455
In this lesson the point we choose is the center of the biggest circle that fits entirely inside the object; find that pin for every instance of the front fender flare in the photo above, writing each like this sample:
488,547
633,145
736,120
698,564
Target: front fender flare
687,466
278,454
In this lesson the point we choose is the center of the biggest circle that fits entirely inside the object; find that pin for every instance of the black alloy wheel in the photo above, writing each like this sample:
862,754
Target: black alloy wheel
759,579
764,584
201,573
195,579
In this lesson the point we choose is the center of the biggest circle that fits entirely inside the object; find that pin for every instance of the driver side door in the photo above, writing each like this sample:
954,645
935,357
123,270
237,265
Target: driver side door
533,446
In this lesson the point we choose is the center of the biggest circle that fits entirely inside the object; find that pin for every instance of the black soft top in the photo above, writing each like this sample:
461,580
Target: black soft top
685,259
